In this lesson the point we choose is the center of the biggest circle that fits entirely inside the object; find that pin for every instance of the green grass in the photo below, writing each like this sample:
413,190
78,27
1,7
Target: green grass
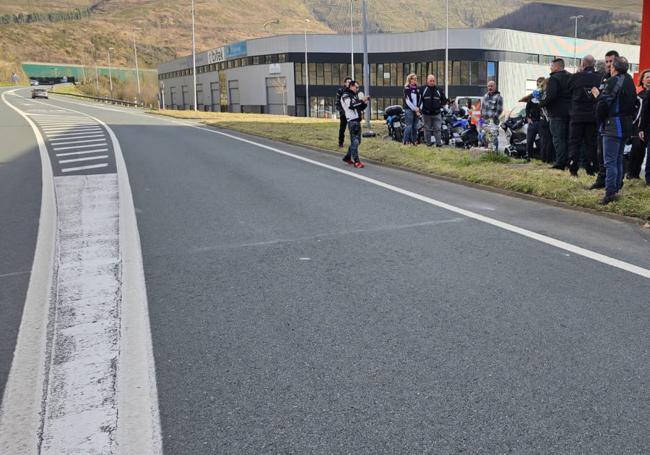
497,171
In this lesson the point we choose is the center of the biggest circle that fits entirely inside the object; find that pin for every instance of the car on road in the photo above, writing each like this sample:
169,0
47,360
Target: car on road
33,82
39,93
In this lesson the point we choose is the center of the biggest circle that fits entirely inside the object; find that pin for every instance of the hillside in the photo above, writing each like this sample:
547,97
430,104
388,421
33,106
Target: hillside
81,31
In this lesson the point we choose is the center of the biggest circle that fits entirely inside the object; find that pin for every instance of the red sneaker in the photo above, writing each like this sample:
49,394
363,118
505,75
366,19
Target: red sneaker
359,164
348,160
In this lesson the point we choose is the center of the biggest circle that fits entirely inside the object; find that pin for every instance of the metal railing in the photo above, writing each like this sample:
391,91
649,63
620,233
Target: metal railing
102,99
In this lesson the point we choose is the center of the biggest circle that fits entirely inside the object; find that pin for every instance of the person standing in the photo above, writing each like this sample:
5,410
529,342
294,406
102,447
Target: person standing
412,105
616,109
343,121
557,101
353,107
548,150
638,143
491,110
600,178
533,119
433,99
644,120
583,130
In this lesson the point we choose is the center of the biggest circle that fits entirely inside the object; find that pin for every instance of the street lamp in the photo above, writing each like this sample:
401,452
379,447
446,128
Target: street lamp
137,70
366,69
352,37
110,74
306,72
194,59
447,54
575,39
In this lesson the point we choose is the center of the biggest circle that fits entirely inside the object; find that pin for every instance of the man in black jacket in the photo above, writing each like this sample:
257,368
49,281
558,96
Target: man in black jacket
433,99
557,101
615,110
344,123
582,129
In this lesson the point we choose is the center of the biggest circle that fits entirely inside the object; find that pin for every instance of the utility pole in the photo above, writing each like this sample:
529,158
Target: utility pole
366,69
352,38
306,73
194,59
447,53
575,40
137,70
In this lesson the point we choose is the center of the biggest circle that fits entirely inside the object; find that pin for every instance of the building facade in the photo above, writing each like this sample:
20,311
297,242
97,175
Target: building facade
269,75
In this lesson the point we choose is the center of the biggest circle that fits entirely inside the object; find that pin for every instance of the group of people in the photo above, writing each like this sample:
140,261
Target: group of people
574,120
586,119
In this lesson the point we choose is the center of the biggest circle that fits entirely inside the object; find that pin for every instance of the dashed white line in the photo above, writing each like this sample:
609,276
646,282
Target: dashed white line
72,147
88,158
83,168
85,152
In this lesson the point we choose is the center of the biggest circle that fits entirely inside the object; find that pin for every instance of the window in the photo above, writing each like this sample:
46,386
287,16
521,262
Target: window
545,59
393,75
358,73
532,58
400,76
282,58
256,60
464,73
327,76
267,60
336,77
455,73
312,73
492,71
373,74
299,73
320,76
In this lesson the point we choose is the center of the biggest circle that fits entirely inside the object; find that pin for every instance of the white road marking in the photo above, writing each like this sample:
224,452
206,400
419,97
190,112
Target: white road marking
84,168
556,243
60,137
82,153
83,141
73,131
72,147
68,424
87,158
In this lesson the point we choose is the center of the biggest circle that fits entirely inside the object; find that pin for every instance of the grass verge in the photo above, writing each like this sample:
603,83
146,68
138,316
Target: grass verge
533,178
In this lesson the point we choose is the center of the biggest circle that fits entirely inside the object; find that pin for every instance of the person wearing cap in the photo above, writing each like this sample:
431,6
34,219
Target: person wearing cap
616,108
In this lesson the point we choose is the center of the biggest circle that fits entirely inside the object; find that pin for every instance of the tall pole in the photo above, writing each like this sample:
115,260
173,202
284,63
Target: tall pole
306,73
352,38
366,66
447,54
96,79
575,40
137,70
194,60
110,74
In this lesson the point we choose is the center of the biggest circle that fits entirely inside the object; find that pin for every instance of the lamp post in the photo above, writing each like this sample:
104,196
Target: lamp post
352,37
110,74
306,72
366,69
447,53
575,39
137,70
194,60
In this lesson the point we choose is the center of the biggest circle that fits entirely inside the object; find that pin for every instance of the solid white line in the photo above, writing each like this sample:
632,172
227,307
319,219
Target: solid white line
72,147
87,158
83,168
67,142
613,262
82,153
21,407
138,429
72,136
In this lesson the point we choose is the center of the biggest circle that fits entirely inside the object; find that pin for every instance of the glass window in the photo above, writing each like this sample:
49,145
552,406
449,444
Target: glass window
373,74
298,69
393,75
319,74
400,76
464,73
312,73
492,71
267,60
532,58
336,77
256,60
358,73
282,58
328,74
455,73
380,75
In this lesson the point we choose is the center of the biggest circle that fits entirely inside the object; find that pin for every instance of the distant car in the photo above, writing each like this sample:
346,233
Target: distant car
39,93
33,82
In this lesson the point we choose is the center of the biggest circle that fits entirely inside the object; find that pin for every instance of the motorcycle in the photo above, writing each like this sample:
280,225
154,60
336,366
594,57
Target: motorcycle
394,117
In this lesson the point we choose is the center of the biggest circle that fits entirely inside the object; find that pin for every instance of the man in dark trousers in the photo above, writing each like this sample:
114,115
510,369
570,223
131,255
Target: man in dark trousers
557,101
616,109
353,107
433,99
344,123
582,129
600,178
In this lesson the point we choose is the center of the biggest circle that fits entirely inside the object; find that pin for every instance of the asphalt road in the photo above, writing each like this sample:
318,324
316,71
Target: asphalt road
299,310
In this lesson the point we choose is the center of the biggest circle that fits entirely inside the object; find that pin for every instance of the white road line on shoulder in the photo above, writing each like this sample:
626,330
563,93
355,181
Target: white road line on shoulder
83,168
83,141
73,147
85,152
87,158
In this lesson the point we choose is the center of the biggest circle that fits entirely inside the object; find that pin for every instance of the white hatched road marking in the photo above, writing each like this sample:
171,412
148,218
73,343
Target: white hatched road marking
85,152
66,142
72,147
84,352
87,158
84,168
72,136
